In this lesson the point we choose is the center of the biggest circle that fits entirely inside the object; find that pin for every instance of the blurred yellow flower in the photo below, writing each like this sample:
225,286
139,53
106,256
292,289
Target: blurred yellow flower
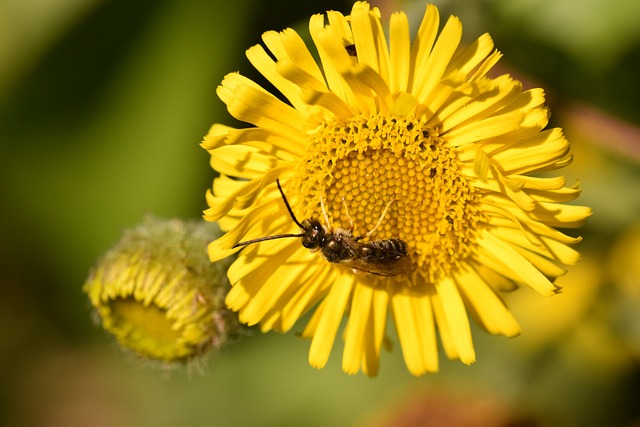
157,293
409,141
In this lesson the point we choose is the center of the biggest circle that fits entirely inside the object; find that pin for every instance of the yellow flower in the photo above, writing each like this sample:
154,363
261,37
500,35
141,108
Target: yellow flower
410,141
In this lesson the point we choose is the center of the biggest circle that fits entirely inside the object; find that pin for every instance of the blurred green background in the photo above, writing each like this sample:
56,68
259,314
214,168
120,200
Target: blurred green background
102,107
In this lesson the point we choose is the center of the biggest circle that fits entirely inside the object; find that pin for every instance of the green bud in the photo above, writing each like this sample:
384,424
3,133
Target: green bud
159,295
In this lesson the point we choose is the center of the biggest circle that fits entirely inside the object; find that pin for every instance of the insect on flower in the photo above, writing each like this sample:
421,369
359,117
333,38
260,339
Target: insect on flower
411,116
388,257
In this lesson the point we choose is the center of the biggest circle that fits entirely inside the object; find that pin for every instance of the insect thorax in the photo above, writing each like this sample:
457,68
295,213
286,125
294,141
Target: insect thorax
337,247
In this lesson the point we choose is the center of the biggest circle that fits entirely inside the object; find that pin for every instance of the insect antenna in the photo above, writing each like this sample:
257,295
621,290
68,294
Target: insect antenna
262,239
277,236
286,203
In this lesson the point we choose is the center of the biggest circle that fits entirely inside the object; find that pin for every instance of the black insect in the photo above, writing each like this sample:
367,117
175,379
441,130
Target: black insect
388,257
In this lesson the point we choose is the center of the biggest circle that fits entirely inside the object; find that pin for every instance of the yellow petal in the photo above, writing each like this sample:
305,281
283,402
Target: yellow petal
426,330
359,317
457,320
483,129
308,293
242,197
330,314
438,61
404,320
279,146
472,56
547,247
489,308
262,256
243,161
400,53
531,154
493,278
565,216
274,285
374,81
330,101
409,333
446,336
262,62
249,103
254,220
333,56
369,40
288,46
376,333
363,36
490,96
421,48
516,263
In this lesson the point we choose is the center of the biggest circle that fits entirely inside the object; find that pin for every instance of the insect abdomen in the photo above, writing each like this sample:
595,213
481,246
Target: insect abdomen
387,246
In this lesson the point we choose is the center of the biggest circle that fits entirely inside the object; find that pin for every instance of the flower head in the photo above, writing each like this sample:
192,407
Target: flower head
157,293
409,142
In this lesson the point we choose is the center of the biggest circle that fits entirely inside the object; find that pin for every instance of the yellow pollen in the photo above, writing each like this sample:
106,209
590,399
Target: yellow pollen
357,167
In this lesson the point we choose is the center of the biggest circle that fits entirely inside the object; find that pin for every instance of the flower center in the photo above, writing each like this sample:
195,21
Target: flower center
359,168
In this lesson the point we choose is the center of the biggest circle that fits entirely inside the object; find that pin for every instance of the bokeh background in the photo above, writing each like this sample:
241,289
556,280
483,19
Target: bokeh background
102,106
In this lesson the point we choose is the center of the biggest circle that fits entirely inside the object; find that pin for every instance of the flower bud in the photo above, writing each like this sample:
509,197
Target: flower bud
159,295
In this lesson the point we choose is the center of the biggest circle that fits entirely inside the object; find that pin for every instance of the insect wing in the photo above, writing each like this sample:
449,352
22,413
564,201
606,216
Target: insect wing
394,267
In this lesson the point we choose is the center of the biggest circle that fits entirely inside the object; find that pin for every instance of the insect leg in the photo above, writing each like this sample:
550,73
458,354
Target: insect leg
370,232
346,210
324,211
